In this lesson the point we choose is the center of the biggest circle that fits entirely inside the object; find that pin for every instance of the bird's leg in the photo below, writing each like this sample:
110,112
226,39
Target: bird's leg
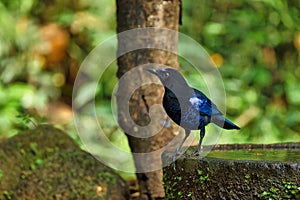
176,153
202,133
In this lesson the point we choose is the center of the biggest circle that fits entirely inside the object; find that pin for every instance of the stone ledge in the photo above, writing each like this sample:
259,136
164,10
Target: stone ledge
216,178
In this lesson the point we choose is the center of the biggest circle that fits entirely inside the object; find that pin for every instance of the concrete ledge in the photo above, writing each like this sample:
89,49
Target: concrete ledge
217,178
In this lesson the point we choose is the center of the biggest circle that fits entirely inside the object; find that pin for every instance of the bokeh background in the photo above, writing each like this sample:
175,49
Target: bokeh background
255,45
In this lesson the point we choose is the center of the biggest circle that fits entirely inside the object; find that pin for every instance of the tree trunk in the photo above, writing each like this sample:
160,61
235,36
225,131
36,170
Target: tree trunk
146,143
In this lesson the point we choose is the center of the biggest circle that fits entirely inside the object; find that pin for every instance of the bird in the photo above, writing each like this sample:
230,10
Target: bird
188,107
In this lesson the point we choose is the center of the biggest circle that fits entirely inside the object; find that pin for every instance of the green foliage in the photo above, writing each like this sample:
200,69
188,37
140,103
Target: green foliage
14,99
257,44
28,76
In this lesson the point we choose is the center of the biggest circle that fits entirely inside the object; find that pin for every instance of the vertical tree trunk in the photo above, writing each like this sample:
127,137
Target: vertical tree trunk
140,14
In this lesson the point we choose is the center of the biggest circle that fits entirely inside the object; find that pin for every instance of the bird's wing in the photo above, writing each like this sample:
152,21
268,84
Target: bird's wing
203,104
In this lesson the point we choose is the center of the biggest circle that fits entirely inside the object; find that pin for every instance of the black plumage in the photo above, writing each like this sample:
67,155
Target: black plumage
188,107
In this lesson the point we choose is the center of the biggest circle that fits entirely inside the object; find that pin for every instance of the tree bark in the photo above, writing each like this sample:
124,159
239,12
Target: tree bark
141,14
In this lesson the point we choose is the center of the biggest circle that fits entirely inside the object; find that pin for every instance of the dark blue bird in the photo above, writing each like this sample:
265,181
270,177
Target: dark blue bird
188,107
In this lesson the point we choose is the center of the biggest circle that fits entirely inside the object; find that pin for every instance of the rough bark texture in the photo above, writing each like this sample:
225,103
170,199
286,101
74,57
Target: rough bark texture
140,14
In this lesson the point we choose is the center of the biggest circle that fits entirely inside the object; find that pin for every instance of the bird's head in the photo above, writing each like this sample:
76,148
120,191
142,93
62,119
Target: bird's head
168,76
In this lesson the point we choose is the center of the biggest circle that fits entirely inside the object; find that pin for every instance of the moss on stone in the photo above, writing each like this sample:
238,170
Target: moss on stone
21,154
72,175
44,163
211,178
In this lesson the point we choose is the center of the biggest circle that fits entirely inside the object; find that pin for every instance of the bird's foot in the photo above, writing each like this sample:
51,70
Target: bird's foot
197,153
174,165
174,159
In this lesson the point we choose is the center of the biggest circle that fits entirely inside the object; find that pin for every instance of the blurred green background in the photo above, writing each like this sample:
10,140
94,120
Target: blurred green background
255,45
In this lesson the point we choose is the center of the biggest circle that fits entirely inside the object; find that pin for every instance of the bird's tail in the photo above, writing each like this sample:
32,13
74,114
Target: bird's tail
222,122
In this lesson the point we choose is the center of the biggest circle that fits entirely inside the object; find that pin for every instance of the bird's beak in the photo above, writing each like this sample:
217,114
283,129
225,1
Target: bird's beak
153,71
